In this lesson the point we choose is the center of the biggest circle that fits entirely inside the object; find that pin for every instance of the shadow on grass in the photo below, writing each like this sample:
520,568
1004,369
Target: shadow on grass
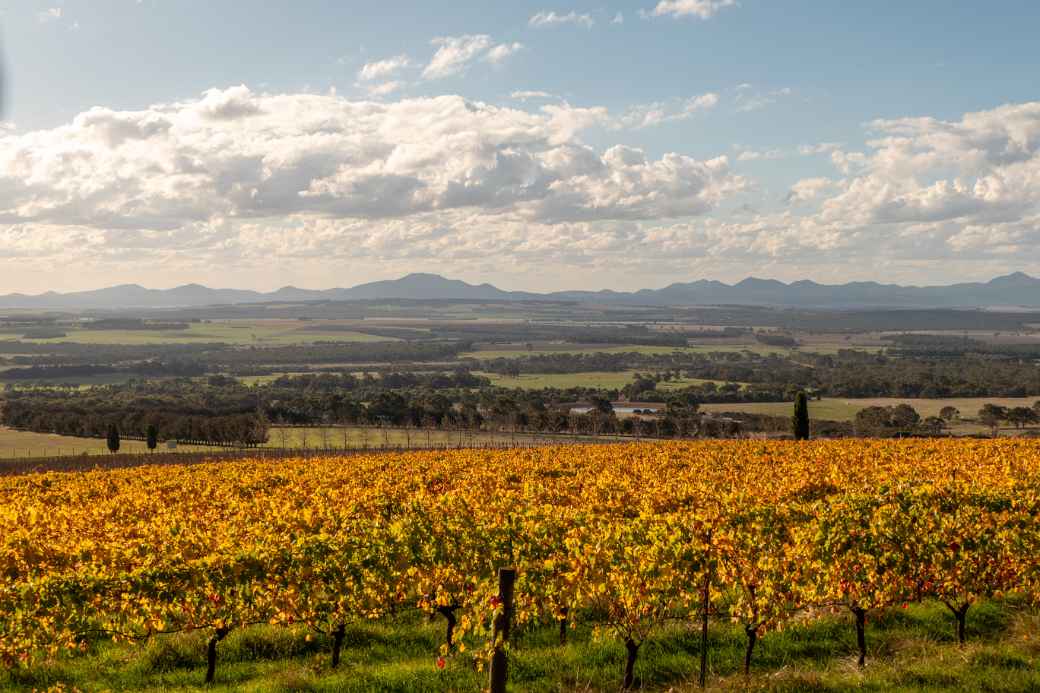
911,650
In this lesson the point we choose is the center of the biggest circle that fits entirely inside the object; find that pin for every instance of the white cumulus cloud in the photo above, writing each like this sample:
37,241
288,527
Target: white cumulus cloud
657,113
701,9
527,95
748,99
237,180
235,173
499,53
455,53
810,188
553,18
382,69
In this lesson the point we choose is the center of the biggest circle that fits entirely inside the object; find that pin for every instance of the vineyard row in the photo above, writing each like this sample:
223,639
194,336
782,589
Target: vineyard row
628,537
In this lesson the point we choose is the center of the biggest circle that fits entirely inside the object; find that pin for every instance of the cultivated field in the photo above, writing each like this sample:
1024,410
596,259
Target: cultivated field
754,565
704,347
27,444
237,332
599,380
541,349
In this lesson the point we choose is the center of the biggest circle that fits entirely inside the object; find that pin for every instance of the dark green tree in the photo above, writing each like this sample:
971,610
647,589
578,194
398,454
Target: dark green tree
991,415
1021,416
113,439
152,437
800,420
904,417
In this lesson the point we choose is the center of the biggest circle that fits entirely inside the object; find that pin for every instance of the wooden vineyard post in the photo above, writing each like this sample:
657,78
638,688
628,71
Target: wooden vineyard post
705,606
499,658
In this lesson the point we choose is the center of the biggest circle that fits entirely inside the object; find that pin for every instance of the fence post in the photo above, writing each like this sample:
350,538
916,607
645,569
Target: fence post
499,658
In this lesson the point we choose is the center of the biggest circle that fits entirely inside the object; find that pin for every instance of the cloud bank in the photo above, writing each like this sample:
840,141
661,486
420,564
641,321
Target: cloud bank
236,178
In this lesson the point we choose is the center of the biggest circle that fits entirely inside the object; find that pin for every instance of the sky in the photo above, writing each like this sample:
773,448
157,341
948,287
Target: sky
533,145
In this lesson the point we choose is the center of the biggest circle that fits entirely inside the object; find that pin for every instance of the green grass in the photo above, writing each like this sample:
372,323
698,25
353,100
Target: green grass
680,383
908,650
266,379
536,381
236,332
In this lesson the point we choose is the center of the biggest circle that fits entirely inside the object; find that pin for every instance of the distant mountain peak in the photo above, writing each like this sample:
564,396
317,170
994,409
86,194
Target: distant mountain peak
1019,278
423,275
758,286
1015,289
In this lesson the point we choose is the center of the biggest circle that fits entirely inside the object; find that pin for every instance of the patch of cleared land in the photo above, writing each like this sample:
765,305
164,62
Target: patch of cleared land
25,444
21,444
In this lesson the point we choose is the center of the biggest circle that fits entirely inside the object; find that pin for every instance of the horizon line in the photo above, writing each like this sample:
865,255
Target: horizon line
134,285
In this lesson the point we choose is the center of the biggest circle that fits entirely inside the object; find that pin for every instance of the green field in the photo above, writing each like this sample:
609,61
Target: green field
81,381
910,649
596,379
239,332
752,347
549,349
253,380
538,381
844,409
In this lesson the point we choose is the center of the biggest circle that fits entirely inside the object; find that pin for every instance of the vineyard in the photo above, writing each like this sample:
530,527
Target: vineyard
631,540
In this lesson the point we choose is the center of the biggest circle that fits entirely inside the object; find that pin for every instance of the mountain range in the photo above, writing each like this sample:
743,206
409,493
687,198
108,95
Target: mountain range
1018,289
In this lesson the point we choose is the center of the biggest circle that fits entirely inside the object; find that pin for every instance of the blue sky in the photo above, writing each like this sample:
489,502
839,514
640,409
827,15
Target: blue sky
791,138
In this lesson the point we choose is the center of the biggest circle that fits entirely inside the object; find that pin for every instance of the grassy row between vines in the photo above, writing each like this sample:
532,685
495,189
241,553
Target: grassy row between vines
910,650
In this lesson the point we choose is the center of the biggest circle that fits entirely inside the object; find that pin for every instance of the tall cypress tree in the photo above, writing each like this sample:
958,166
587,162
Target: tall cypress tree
800,420
113,439
153,437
